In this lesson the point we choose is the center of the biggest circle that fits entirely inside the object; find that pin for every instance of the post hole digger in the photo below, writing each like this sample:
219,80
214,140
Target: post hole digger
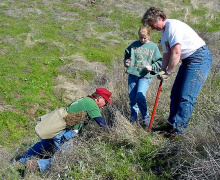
155,106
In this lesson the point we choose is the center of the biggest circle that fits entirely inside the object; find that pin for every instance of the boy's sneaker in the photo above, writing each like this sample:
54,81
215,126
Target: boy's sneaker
146,121
146,124
31,166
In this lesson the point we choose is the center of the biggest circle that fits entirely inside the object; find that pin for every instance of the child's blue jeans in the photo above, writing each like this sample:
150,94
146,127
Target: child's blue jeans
46,146
137,88
188,83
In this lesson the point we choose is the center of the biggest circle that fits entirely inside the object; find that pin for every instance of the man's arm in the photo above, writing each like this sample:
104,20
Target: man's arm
165,61
173,59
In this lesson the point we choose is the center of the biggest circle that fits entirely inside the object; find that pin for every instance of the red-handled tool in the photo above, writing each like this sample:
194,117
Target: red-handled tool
155,106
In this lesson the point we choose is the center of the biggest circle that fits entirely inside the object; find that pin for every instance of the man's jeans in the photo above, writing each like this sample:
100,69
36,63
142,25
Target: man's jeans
46,147
137,88
189,81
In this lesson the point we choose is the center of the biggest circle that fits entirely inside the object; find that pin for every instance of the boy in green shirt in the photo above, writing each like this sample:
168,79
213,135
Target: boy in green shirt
143,61
78,112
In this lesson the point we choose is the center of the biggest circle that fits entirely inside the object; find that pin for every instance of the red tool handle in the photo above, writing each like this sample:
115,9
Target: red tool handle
155,106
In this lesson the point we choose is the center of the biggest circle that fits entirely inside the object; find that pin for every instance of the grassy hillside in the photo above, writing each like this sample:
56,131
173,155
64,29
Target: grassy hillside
52,52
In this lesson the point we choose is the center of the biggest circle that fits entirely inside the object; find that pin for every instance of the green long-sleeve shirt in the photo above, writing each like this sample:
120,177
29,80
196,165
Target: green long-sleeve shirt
142,55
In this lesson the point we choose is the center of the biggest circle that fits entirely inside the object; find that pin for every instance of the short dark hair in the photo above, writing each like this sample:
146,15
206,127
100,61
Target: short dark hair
152,14
95,96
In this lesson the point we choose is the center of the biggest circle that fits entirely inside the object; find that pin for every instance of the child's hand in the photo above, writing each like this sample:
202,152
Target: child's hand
148,68
127,63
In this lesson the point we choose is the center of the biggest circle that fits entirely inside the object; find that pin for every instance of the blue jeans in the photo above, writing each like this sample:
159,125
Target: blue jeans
46,147
188,83
137,88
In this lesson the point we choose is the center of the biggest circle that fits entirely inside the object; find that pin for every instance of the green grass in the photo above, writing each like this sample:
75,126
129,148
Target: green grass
202,24
28,70
214,25
12,27
14,126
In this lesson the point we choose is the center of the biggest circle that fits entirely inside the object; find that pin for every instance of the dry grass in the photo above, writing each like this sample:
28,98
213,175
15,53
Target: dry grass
199,157
89,148
194,157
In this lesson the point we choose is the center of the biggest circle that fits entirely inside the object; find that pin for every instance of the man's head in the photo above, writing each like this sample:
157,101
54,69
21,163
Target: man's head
102,97
155,18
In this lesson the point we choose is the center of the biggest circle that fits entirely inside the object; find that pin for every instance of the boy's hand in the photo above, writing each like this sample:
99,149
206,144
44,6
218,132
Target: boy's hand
127,63
148,68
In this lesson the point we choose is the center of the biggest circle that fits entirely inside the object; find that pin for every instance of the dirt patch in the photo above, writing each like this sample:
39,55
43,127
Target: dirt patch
68,90
10,12
4,155
134,7
66,16
80,63
213,40
71,89
4,107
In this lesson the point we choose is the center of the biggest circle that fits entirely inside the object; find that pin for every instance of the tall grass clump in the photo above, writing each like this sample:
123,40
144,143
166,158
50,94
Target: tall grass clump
125,152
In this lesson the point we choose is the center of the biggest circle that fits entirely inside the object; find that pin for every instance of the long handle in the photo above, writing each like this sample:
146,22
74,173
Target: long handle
155,106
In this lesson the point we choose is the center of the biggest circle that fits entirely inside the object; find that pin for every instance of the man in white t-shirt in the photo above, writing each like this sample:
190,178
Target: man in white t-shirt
180,42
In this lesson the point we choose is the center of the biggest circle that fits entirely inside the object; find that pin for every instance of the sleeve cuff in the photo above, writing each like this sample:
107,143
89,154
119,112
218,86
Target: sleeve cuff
70,134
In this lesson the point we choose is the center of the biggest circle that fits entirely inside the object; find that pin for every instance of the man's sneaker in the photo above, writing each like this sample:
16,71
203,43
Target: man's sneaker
31,166
169,129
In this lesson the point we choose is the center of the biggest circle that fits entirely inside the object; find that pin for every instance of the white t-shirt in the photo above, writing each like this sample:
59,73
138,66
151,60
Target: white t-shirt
179,32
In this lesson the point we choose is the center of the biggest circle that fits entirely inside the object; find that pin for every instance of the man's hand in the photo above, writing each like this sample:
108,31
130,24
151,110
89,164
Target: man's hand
163,75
